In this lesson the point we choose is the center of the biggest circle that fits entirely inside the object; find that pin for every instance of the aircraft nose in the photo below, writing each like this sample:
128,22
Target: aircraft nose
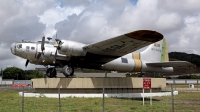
13,48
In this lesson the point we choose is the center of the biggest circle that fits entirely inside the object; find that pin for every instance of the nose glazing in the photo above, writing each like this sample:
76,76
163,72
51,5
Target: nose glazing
13,47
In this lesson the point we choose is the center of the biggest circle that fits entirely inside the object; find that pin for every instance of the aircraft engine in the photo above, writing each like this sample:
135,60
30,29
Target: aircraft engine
47,52
71,48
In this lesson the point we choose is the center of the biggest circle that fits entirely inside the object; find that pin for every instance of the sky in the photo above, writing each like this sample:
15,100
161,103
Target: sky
89,21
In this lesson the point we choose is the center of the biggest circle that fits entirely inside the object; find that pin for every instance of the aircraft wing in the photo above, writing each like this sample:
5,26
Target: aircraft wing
104,51
124,44
175,64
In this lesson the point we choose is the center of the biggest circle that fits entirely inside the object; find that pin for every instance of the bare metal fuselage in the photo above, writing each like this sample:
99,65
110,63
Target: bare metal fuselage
125,63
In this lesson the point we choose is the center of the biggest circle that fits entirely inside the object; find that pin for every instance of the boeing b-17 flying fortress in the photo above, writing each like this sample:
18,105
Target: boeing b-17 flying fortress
119,49
115,54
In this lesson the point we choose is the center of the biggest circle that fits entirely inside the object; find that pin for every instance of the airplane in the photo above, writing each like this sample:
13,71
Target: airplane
114,54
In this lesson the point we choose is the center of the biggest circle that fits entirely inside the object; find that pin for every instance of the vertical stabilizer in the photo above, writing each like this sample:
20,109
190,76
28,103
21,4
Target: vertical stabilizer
156,52
165,56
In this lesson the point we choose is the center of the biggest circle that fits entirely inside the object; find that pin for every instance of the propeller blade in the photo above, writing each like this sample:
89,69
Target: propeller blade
38,56
42,48
42,44
27,61
42,57
54,61
57,45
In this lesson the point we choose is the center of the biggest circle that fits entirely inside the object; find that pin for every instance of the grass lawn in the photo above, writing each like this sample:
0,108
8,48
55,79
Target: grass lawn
10,101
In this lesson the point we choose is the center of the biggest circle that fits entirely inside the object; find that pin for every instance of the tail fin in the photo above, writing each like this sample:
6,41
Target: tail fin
156,52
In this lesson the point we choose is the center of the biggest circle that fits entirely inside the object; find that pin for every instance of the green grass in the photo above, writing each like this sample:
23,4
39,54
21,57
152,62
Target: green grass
10,101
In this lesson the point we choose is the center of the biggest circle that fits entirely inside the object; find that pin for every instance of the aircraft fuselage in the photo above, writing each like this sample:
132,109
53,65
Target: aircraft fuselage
126,63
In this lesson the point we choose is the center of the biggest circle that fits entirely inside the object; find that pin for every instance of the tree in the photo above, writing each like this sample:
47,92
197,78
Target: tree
19,74
13,73
193,58
29,74
189,77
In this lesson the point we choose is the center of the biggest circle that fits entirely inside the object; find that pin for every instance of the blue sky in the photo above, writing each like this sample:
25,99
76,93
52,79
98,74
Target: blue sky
134,2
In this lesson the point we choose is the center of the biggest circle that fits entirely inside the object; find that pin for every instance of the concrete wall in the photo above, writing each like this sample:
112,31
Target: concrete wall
96,82
84,75
122,95
94,90
7,82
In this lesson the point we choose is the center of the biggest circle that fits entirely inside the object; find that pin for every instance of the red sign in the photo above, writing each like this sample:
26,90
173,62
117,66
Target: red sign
18,85
146,83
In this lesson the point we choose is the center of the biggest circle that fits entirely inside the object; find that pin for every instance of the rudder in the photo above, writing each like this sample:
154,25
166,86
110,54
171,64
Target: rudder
156,52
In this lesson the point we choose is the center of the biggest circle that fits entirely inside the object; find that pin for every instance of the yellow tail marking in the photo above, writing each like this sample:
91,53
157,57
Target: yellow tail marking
164,56
138,62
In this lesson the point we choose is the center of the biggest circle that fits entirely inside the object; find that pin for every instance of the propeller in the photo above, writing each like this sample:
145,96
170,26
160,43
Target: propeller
27,61
42,49
42,44
57,44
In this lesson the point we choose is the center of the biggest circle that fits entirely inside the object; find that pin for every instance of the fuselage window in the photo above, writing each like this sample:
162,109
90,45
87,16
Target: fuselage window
19,46
27,47
32,48
124,60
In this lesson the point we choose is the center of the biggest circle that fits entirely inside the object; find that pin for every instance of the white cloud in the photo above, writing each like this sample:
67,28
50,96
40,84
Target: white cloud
55,15
169,22
94,20
184,7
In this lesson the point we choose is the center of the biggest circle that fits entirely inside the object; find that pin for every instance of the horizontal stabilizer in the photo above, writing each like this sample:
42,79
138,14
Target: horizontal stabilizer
175,64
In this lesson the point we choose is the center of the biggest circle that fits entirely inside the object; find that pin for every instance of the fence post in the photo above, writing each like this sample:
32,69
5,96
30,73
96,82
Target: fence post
59,104
197,84
172,96
23,99
103,100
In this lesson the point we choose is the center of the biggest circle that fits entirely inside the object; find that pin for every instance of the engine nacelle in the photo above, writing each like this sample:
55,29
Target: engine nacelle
71,48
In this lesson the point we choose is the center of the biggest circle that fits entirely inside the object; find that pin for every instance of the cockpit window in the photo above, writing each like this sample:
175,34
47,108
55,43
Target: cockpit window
32,48
19,46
